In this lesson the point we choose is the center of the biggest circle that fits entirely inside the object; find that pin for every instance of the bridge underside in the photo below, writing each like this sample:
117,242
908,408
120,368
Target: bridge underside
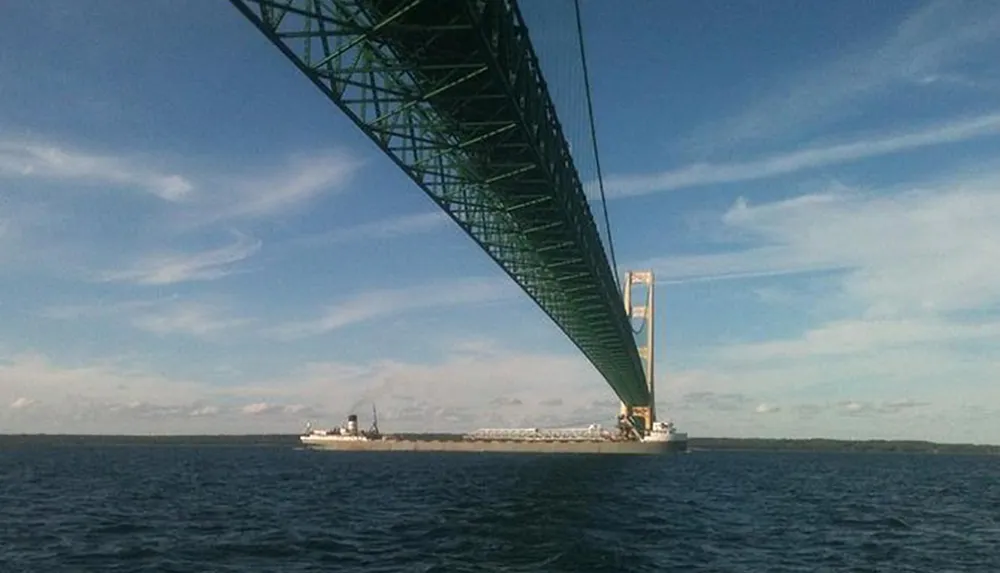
451,90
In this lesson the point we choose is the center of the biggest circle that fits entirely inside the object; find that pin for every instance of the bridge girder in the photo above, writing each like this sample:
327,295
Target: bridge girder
452,92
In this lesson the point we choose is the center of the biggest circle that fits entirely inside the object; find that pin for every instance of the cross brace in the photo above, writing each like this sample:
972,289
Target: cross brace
452,92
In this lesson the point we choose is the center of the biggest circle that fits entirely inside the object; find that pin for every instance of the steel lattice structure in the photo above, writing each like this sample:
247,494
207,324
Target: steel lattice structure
451,90
592,434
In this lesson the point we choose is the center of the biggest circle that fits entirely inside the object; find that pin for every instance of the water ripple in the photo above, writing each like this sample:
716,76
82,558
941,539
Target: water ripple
250,509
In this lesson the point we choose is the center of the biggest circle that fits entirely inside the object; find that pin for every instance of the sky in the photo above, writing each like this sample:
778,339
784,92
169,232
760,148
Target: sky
194,240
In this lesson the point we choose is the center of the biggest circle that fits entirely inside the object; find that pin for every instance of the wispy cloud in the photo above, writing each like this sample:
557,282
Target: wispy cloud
100,381
51,235
865,408
169,268
98,309
902,405
388,228
456,394
942,236
860,336
459,393
22,403
305,178
9,235
848,408
764,408
222,196
715,401
157,316
932,44
23,159
907,298
265,408
204,411
385,303
792,162
194,319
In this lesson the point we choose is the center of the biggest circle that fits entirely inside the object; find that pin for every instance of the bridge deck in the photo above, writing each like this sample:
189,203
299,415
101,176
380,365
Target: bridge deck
451,90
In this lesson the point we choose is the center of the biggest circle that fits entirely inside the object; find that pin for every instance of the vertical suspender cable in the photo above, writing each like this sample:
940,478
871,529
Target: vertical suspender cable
593,139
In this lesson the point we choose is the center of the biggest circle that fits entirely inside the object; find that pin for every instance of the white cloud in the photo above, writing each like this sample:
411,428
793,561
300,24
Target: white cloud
929,46
257,408
388,228
21,159
905,407
307,177
456,394
170,268
50,235
766,409
909,266
686,395
902,405
196,319
22,403
39,233
861,336
100,309
106,381
269,194
916,251
111,396
205,411
853,406
169,315
386,303
265,408
791,162
932,386
950,415
908,305
941,372
462,392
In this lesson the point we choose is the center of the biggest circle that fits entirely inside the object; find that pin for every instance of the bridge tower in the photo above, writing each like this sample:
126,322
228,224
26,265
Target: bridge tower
646,338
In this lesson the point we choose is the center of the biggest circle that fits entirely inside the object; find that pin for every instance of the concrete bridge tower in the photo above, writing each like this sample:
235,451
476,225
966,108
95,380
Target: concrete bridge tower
642,308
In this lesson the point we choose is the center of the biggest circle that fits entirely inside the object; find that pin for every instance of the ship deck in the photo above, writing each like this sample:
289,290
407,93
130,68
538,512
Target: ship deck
500,446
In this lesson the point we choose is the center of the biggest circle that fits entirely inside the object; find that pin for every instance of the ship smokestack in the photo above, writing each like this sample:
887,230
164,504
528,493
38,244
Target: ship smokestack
352,424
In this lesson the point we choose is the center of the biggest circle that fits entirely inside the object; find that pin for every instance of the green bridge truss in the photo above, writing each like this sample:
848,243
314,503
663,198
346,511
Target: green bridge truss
451,90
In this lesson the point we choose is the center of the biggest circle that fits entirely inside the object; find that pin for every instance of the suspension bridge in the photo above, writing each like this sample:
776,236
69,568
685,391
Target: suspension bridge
452,91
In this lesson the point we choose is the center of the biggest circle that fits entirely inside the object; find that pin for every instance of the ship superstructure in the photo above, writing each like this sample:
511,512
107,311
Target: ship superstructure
347,433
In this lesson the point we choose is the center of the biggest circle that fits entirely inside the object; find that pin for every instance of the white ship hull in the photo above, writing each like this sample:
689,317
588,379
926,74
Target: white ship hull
320,440
665,433
500,446
652,443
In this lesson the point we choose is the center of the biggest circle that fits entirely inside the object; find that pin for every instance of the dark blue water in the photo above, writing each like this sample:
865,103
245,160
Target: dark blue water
175,508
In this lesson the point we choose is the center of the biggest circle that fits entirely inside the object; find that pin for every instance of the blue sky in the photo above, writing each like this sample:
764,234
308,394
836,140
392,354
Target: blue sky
193,239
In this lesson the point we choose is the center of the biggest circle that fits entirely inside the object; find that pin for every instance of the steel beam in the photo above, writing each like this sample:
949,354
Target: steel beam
452,92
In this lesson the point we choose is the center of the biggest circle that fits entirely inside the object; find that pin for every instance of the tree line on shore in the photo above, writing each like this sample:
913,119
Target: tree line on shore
828,445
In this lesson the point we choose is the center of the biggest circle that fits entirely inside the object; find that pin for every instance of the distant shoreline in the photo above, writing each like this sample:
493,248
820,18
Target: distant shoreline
830,445
695,444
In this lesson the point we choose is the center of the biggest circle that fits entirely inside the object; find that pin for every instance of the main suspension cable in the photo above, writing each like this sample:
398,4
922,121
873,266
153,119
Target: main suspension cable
593,139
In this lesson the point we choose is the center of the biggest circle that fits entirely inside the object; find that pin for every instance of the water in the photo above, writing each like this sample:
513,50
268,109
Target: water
218,508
